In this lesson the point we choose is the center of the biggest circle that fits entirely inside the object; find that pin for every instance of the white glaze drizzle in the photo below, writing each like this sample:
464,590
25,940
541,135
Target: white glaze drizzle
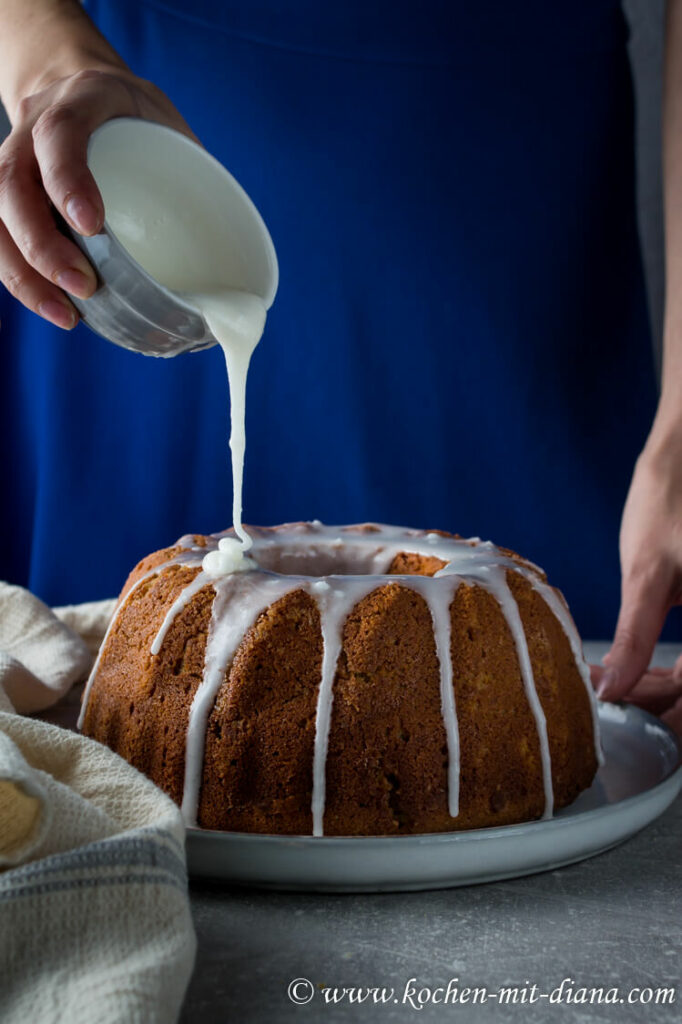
439,600
201,580
368,553
495,581
335,603
239,600
556,605
236,320
185,557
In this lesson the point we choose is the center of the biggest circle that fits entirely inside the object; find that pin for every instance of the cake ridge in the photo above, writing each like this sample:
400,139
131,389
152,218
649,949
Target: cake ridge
180,560
224,637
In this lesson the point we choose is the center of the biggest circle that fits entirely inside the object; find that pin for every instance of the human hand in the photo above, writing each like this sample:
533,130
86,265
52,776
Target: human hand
659,691
43,161
651,569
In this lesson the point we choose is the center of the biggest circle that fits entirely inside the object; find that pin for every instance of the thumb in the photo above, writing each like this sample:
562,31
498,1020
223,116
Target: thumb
644,606
60,141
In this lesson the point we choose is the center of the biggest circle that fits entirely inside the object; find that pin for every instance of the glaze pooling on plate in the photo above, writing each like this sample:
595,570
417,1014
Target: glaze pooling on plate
337,566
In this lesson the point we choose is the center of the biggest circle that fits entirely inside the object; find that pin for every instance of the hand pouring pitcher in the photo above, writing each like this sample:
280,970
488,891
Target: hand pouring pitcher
176,224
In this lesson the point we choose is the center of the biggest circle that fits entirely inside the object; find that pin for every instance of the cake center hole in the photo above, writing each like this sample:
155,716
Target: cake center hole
312,560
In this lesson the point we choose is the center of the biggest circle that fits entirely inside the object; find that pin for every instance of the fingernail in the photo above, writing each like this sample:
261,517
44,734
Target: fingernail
607,681
75,282
57,313
83,215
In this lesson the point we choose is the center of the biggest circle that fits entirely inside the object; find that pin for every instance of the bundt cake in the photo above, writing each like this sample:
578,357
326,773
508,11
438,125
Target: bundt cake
355,680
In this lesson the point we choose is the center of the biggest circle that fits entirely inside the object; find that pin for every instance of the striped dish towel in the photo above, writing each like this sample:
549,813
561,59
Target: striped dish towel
95,925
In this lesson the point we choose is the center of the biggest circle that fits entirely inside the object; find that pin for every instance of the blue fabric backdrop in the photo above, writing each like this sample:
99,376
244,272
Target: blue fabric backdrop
460,339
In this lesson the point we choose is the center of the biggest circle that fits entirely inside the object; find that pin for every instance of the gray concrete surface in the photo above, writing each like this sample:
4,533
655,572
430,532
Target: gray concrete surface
612,921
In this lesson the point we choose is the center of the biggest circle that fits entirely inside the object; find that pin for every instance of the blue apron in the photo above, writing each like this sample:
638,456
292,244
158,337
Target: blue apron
460,338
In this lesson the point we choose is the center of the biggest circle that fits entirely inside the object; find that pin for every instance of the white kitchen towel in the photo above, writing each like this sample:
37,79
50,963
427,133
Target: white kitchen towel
89,620
40,657
95,925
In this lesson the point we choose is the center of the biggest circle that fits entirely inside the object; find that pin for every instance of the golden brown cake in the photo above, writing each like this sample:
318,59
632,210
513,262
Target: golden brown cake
358,680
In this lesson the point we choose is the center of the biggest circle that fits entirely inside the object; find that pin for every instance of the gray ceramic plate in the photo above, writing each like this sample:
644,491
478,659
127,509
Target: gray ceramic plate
640,779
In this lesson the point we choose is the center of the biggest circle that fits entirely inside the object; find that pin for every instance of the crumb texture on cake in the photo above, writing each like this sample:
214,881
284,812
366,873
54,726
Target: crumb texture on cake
364,680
